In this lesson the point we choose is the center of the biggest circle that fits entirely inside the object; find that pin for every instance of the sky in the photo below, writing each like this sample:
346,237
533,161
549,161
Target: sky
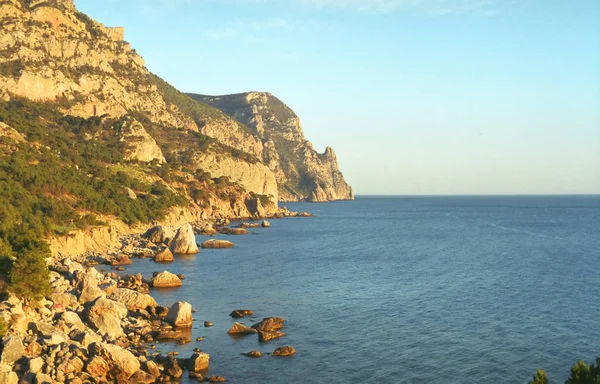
417,97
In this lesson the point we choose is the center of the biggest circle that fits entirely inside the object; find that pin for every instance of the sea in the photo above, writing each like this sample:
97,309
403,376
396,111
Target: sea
431,290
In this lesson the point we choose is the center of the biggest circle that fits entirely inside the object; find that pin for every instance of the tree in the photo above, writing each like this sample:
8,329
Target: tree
581,373
28,275
539,378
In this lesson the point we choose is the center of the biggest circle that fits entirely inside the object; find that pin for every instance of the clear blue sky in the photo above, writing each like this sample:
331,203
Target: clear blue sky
415,96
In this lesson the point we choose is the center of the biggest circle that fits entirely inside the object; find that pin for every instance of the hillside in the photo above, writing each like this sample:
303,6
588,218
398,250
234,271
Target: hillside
302,173
90,137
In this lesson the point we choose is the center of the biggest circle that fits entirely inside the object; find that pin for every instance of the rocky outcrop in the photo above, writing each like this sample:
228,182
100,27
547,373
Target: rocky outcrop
180,314
254,177
139,145
301,172
92,67
184,242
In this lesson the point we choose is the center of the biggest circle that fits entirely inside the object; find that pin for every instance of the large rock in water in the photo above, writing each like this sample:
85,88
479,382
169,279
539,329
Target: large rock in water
133,299
268,336
215,243
165,256
241,329
180,314
269,324
105,316
198,362
284,351
166,280
184,242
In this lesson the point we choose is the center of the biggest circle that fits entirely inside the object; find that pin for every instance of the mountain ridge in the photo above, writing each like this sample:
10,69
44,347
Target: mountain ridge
302,173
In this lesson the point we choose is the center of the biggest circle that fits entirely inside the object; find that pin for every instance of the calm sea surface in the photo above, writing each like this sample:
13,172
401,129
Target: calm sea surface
404,290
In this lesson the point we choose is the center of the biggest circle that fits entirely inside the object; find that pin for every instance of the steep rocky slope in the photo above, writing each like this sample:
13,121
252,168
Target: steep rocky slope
89,136
301,172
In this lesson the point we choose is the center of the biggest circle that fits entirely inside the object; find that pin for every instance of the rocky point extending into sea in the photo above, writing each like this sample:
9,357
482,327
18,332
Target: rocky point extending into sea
98,326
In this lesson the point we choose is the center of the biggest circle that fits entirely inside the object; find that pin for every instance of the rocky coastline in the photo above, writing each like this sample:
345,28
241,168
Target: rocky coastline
100,326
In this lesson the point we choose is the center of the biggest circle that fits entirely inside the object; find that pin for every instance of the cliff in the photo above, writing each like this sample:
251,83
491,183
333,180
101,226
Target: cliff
301,172
90,138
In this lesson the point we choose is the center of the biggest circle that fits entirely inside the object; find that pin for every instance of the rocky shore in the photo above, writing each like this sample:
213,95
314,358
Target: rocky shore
98,326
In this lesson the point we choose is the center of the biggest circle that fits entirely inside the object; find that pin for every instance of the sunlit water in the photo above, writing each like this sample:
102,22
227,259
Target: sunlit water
404,290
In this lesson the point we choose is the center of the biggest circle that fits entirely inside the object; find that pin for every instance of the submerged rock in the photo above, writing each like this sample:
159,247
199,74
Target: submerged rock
253,354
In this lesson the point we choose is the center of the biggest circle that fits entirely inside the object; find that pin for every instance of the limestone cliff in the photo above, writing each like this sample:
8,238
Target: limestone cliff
301,172
58,57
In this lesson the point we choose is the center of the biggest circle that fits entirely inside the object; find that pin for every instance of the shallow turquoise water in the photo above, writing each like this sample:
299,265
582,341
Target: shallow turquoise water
405,290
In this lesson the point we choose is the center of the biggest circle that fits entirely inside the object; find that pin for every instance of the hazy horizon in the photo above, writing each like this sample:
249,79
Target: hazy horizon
426,97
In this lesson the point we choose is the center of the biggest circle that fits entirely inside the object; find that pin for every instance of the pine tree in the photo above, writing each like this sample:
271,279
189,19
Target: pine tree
539,378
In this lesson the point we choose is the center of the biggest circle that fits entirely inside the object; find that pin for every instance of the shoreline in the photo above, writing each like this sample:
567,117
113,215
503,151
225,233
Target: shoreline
99,326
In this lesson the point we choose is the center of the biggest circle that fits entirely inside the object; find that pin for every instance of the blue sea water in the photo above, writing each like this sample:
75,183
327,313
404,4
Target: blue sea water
429,290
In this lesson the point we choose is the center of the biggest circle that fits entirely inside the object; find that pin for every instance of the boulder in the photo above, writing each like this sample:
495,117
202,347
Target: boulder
97,366
35,364
284,351
166,280
265,224
184,242
105,315
269,324
208,324
198,362
253,354
65,299
90,293
123,260
152,368
71,320
216,379
132,299
240,329
180,314
172,368
239,313
123,363
12,349
268,336
7,376
215,243
160,234
165,256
